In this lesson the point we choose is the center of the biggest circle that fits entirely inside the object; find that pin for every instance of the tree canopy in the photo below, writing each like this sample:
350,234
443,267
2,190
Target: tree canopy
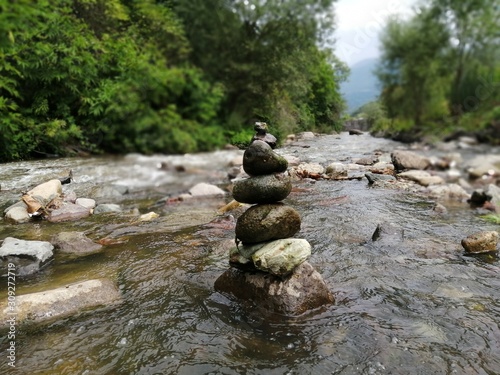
167,76
439,69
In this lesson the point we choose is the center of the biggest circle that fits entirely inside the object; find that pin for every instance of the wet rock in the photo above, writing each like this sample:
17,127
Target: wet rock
282,256
421,177
439,209
388,234
376,177
28,256
75,243
46,192
481,242
308,170
70,196
86,202
367,161
260,159
18,214
262,189
449,191
301,291
68,212
265,222
239,261
107,208
404,160
203,189
54,304
107,191
263,135
248,250
491,194
483,165
355,132
336,171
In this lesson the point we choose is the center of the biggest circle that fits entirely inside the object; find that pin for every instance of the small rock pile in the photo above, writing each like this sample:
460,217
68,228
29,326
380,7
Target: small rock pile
268,266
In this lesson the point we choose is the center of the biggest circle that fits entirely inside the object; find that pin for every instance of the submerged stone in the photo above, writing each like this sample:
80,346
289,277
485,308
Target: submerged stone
304,289
68,212
75,243
262,189
260,159
282,256
266,222
62,302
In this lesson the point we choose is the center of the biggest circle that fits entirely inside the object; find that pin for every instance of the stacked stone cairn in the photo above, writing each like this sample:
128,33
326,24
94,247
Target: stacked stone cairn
267,264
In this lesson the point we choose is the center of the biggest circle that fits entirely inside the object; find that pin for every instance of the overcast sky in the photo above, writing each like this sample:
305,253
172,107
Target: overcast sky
359,23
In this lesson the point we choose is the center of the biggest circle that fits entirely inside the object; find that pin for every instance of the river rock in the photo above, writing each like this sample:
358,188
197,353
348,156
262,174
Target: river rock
260,159
46,192
263,135
304,289
68,212
18,214
70,196
54,304
282,256
75,243
388,234
448,191
28,256
370,160
481,242
377,177
336,170
86,202
303,136
265,222
107,208
421,177
404,160
483,165
262,189
203,190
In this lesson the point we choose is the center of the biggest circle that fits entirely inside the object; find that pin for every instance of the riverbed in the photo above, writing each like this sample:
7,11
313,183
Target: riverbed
418,305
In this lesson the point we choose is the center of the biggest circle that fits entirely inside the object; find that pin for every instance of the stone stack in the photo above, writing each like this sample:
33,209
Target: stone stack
264,230
268,266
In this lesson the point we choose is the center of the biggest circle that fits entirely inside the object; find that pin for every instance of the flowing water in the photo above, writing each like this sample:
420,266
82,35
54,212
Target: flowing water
415,306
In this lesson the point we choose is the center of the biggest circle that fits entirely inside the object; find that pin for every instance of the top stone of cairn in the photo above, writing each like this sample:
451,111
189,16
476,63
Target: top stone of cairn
262,134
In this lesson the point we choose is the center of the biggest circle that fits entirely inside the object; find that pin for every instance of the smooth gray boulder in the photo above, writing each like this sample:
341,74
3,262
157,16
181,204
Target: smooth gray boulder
266,222
107,208
68,212
18,214
405,160
55,304
262,189
304,289
28,256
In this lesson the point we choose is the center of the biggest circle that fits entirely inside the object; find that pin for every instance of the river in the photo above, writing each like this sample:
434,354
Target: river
417,306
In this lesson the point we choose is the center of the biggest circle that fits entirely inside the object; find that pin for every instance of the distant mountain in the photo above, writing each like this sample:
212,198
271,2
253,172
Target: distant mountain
361,87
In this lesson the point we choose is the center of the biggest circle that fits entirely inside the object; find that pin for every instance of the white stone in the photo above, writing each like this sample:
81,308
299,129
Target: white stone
86,202
280,257
204,189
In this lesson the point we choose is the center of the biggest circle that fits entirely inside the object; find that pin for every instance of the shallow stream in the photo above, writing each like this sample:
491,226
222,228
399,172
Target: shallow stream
417,306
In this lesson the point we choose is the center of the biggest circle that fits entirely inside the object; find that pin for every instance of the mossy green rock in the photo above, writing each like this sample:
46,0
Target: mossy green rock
266,222
282,256
260,159
262,189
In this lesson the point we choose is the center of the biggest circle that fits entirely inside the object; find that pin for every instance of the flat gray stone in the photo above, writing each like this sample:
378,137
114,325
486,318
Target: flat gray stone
75,243
18,214
262,189
107,208
404,160
54,304
68,212
28,256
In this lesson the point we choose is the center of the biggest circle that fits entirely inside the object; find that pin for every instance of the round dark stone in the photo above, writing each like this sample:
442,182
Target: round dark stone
262,189
266,222
260,159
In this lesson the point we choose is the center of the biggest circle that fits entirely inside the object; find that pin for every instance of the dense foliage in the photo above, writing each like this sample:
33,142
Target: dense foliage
161,76
440,70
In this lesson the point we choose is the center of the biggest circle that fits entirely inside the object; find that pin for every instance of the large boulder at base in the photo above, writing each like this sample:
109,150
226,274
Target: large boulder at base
304,289
260,159
262,189
481,242
59,303
282,256
75,243
266,222
404,160
68,212
28,256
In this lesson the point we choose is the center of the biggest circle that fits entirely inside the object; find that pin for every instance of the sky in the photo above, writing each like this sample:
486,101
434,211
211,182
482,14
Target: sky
359,23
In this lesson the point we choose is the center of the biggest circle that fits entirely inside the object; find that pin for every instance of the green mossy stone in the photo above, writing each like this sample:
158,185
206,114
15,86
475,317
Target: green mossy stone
260,159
